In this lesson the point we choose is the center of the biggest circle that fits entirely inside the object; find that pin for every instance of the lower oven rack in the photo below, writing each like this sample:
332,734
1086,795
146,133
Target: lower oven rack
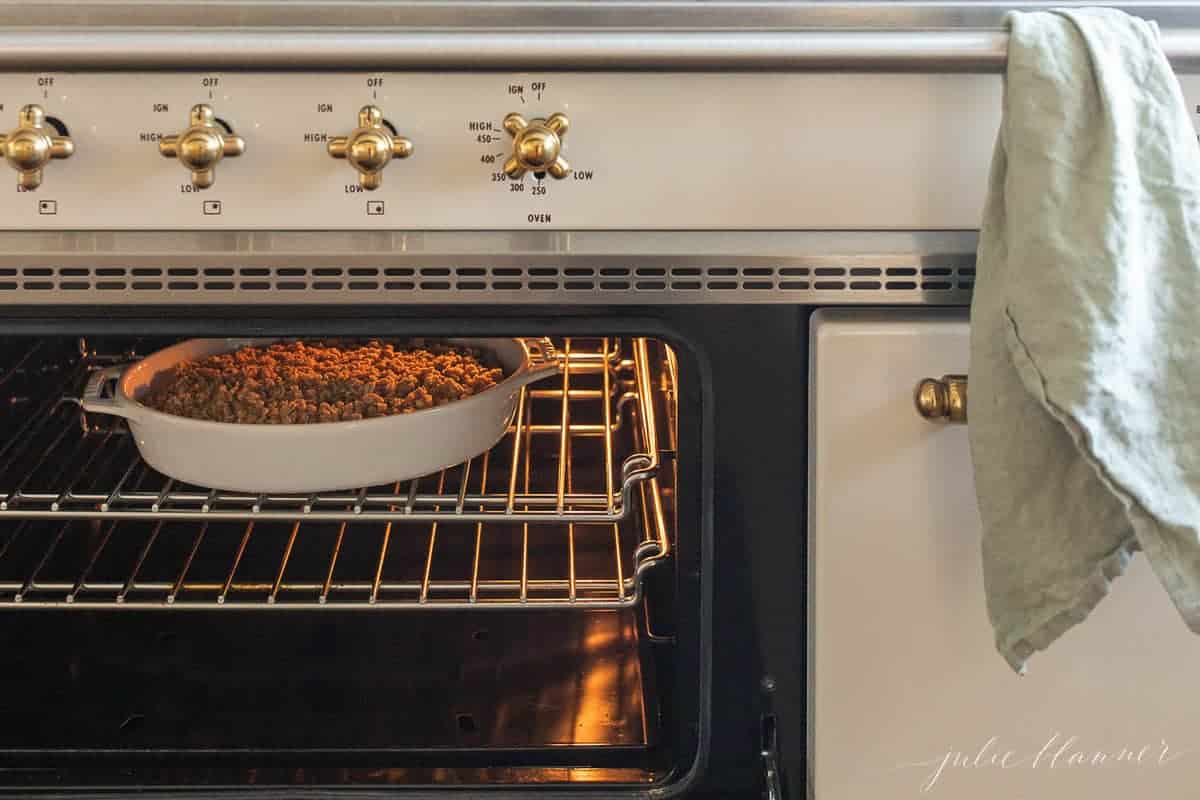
362,566
147,548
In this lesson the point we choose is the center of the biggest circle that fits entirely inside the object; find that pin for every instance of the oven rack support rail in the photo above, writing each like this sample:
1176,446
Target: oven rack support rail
624,391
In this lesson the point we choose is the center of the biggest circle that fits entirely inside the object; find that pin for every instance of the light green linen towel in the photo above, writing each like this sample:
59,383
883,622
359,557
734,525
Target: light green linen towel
1085,328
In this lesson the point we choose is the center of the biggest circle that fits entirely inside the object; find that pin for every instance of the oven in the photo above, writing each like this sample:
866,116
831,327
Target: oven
538,617
643,588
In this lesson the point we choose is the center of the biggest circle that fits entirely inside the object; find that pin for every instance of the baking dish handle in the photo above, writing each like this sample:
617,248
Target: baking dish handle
544,361
94,403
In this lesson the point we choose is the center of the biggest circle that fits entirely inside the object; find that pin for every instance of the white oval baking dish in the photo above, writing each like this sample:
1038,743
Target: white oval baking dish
314,457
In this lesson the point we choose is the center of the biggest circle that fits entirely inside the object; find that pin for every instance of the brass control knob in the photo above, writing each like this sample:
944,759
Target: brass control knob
537,145
370,147
30,146
202,145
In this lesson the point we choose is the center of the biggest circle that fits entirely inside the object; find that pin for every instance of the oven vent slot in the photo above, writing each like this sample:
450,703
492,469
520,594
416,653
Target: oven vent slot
942,280
91,525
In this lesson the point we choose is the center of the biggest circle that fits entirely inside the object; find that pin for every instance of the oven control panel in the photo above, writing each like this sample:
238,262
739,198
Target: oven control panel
463,151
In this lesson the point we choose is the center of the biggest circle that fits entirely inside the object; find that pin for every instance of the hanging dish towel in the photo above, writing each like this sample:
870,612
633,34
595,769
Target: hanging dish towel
1085,328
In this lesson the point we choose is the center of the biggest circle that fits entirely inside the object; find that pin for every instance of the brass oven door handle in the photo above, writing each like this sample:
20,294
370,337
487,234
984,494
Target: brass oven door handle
943,399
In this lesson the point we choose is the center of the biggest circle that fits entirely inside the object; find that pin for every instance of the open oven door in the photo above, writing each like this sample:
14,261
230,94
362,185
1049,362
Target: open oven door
908,696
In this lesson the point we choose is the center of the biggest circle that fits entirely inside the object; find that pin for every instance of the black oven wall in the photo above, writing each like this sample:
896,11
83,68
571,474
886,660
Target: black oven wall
759,366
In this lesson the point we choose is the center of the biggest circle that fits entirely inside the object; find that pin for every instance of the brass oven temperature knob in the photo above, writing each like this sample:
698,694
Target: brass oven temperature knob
537,145
370,147
30,146
202,145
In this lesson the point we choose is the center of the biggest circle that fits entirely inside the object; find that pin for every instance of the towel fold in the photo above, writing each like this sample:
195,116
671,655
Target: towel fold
1085,328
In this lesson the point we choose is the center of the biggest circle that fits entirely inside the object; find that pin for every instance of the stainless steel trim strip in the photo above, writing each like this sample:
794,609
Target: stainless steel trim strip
603,50
200,249
525,15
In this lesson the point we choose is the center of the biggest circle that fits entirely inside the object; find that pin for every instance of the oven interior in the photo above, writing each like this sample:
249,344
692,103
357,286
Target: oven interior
516,619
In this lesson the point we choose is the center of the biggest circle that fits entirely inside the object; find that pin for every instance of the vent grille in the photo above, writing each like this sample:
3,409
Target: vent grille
949,283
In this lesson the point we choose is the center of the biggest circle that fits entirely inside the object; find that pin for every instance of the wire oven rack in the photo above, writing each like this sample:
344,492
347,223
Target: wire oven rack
147,543
51,469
